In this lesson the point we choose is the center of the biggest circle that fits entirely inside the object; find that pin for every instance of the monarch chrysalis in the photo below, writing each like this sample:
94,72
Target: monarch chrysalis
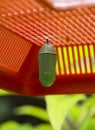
47,64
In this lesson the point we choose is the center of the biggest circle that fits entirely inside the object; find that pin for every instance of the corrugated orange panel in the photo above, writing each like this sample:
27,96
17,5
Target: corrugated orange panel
13,50
34,21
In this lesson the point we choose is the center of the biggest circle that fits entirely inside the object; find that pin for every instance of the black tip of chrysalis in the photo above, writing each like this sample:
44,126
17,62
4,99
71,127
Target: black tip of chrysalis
47,41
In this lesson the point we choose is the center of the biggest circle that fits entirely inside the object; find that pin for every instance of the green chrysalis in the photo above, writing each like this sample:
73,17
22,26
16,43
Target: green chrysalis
47,64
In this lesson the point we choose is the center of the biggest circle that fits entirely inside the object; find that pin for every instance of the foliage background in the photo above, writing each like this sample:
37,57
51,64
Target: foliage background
57,112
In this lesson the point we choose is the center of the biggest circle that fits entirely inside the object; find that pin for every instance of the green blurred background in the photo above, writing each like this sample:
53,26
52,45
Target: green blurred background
57,112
